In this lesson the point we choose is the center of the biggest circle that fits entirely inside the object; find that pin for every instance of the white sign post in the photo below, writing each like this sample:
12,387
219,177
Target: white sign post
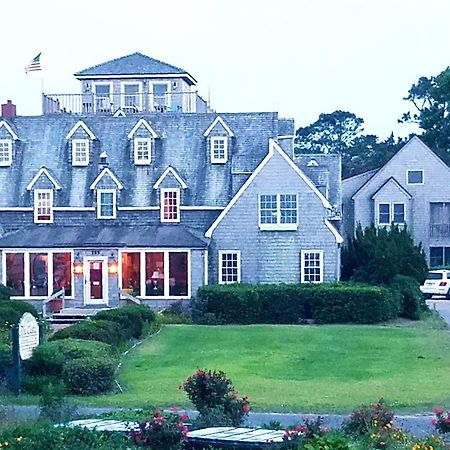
28,335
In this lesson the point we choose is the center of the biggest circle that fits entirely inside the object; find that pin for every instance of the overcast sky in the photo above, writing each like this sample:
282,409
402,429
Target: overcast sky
298,57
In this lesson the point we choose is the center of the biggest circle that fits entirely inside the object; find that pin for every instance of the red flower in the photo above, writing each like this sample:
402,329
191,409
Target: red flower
174,409
184,417
246,408
438,410
434,422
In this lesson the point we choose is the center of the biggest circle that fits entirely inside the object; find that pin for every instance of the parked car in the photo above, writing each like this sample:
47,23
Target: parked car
437,283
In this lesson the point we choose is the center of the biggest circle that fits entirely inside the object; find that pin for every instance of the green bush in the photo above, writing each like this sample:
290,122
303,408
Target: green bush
12,310
412,300
291,304
89,375
131,319
50,358
5,293
93,330
40,436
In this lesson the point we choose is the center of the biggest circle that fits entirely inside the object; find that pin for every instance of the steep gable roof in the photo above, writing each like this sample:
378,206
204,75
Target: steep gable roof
80,124
43,172
145,124
170,170
106,172
8,128
216,121
273,149
134,64
393,181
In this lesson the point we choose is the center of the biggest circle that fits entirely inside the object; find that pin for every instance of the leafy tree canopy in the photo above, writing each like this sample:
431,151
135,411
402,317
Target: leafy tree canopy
430,99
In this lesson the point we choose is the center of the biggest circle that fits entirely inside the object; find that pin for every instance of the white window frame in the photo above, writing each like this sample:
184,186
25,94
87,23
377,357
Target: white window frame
125,107
146,161
226,252
152,94
26,267
415,184
99,204
7,143
85,162
36,205
302,265
391,214
177,192
278,226
97,96
213,141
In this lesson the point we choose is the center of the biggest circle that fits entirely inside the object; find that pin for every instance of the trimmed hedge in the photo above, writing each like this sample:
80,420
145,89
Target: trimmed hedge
12,310
412,299
291,304
89,330
131,319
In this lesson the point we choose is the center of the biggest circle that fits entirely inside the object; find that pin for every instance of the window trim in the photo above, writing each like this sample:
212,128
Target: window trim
73,145
220,274
278,226
391,214
213,140
36,193
137,141
302,265
415,170
99,96
8,162
151,92
99,205
123,95
163,191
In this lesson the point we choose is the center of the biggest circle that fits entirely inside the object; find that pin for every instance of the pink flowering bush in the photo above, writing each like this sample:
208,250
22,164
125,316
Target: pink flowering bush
215,398
442,421
162,431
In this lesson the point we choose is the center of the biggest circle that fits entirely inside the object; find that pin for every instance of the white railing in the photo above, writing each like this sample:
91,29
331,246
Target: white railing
60,294
131,298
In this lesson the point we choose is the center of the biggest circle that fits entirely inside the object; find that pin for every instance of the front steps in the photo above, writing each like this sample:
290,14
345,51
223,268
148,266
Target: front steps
69,316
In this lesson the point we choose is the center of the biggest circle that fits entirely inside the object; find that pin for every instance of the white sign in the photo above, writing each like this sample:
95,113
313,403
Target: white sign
28,335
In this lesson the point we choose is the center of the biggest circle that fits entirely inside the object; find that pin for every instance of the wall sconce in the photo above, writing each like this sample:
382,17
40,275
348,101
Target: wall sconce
113,267
78,268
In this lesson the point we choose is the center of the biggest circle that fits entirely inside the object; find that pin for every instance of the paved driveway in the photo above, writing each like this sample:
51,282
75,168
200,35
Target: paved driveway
442,307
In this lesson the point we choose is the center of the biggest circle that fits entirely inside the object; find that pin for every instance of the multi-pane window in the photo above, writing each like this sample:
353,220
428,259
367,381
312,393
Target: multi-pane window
311,266
414,177
160,97
80,152
170,205
439,256
399,213
278,211
142,150
391,212
106,204
5,152
43,205
102,97
384,214
219,149
229,267
132,94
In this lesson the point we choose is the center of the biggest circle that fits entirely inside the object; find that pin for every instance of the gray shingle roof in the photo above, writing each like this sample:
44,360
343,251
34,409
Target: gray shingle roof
180,144
134,64
36,236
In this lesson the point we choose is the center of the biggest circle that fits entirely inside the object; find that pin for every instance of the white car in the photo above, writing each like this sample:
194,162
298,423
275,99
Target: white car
437,283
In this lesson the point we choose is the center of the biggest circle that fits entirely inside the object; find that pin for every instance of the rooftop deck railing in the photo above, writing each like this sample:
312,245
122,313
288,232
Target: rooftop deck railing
90,103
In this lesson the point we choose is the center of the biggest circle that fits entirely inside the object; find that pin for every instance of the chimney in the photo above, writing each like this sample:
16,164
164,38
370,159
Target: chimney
9,109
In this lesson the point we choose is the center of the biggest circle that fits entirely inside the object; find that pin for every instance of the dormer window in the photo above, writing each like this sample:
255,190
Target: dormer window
219,149
43,206
170,205
5,152
142,151
80,152
106,204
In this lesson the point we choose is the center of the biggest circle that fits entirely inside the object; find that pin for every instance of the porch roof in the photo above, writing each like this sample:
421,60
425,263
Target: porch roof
152,236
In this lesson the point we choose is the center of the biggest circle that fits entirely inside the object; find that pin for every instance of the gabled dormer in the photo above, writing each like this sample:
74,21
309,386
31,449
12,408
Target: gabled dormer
105,188
7,137
169,184
218,137
142,138
80,139
43,186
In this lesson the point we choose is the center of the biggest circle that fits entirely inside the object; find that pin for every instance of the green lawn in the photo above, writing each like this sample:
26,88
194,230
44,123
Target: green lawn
294,368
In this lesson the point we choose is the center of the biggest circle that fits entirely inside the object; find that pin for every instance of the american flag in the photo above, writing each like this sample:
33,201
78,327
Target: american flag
34,65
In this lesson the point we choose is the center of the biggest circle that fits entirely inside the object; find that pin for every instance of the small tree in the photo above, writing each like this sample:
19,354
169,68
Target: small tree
377,255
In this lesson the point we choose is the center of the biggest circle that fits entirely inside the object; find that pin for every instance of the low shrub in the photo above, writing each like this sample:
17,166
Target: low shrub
5,293
93,330
50,358
12,310
38,384
54,405
442,421
214,396
89,375
411,298
330,441
296,303
131,318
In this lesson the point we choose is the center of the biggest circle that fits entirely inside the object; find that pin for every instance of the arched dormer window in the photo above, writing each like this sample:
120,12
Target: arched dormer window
80,138
7,136
218,135
142,138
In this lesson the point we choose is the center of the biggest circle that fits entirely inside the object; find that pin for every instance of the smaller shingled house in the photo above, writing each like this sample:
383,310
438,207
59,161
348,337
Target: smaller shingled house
106,204
411,190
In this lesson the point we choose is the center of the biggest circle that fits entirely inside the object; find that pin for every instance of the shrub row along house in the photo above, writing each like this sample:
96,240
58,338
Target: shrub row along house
135,187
